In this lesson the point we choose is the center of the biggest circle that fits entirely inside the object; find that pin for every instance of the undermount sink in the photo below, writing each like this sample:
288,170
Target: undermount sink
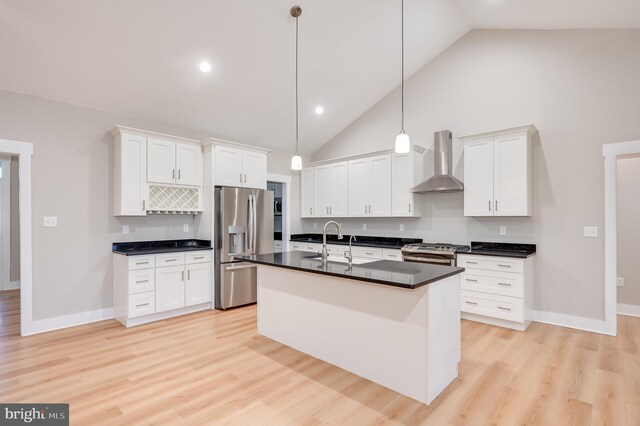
339,259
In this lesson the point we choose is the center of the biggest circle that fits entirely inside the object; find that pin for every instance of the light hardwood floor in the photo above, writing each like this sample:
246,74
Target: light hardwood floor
212,368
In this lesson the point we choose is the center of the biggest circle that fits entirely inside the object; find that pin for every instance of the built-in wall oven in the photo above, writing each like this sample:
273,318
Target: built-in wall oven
434,253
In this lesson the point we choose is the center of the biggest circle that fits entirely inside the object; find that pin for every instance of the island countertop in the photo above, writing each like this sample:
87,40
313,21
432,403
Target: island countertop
408,275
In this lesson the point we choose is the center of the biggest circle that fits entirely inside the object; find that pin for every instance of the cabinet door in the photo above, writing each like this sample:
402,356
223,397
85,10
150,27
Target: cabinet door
323,190
130,186
478,178
161,161
339,189
359,186
189,164
308,192
403,169
511,168
169,288
228,166
380,192
254,170
198,284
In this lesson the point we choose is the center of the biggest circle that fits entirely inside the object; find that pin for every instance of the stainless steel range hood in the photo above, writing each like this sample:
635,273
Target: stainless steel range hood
442,180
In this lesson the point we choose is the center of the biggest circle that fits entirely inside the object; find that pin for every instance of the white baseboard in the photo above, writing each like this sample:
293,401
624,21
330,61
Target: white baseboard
13,285
629,310
570,321
50,324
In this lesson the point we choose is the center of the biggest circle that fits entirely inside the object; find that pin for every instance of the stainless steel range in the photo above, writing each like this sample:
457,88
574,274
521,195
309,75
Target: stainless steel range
436,253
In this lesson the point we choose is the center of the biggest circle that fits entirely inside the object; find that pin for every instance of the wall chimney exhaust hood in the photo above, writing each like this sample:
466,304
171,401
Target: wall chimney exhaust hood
442,180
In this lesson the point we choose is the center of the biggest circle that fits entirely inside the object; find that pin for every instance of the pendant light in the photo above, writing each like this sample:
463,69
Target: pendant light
403,143
296,160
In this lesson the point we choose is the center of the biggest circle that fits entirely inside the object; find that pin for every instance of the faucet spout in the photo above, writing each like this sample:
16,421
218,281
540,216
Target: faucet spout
324,237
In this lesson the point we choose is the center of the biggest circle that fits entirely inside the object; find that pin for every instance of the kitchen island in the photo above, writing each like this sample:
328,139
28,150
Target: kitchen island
394,323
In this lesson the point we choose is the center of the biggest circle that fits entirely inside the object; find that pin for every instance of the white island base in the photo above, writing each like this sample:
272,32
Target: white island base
407,340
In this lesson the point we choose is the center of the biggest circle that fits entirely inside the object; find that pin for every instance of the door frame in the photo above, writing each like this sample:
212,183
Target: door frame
611,152
285,180
24,152
5,224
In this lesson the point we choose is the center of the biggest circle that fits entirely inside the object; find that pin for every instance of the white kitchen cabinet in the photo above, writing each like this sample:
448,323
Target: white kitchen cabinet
323,190
240,167
174,163
198,284
308,192
407,171
498,173
170,288
130,175
332,190
497,290
370,186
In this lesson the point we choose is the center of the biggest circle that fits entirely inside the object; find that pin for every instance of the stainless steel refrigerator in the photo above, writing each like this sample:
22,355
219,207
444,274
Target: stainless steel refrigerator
244,226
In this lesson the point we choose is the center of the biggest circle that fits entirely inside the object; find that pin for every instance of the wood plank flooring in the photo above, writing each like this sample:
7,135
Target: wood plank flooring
212,368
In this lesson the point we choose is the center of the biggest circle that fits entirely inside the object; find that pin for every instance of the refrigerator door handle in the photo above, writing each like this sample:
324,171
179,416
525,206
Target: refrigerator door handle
249,225
255,225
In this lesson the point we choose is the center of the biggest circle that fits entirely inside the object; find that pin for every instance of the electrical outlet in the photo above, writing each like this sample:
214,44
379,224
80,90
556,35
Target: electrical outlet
315,225
364,226
401,228
185,227
125,229
50,222
591,231
503,230
620,282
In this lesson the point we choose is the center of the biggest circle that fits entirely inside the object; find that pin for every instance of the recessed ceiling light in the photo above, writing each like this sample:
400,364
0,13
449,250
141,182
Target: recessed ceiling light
205,66
319,110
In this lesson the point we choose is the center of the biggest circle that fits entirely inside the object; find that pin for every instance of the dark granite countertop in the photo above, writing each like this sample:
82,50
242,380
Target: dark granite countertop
408,275
156,247
517,250
361,240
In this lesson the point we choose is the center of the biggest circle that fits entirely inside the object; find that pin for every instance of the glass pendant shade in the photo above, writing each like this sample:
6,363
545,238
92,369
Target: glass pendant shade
296,162
403,143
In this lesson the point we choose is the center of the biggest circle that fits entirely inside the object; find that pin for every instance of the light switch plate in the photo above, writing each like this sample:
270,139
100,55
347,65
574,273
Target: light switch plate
620,282
50,222
503,230
591,231
125,229
364,226
185,227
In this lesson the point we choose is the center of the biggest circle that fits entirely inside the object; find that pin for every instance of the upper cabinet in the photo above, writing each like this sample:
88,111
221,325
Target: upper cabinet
174,163
498,173
156,173
240,167
374,185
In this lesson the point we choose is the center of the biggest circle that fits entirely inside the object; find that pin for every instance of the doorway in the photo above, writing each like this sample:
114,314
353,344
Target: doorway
281,187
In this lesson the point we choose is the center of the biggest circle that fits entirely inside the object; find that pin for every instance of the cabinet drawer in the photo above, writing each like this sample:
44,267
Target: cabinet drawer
198,257
392,254
141,262
491,263
501,283
142,280
337,250
491,305
367,252
169,259
142,304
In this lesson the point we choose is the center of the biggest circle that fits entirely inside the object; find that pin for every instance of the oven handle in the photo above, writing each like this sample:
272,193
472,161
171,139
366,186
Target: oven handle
427,260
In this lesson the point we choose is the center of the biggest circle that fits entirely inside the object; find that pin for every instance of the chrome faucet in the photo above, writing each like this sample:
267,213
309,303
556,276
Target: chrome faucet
349,256
324,253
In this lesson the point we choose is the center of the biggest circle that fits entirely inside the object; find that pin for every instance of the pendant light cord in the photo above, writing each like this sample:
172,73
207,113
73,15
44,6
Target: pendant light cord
297,150
402,54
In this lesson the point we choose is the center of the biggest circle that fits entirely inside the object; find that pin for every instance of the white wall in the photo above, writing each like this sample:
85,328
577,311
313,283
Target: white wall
628,192
579,87
73,179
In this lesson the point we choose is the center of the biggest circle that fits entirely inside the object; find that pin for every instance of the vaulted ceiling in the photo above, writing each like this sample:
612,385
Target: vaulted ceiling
141,57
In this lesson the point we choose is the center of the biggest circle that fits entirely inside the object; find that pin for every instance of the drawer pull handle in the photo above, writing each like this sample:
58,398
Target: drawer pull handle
470,262
171,260
142,281
503,308
369,253
469,279
504,266
470,303
142,304
392,255
142,263
505,284
198,257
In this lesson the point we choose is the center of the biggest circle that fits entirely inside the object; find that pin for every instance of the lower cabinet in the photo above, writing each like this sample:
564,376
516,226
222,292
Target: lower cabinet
153,287
358,252
496,290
